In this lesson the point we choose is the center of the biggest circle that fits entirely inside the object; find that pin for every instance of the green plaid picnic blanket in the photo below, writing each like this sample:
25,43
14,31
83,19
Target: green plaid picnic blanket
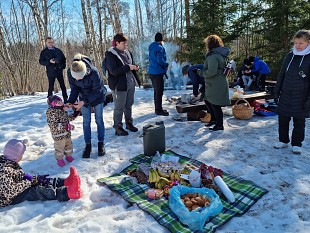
246,193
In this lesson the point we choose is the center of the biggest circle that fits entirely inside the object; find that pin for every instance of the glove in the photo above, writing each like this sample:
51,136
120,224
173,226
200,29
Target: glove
41,180
28,177
307,106
276,98
69,127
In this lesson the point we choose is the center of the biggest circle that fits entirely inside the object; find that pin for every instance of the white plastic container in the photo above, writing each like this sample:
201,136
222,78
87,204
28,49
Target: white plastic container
224,188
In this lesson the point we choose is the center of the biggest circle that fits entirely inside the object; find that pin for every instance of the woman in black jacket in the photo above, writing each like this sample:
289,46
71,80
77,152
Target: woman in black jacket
292,92
123,78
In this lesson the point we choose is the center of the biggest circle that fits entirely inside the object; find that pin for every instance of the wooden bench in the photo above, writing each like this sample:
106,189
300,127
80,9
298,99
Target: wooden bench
198,106
270,83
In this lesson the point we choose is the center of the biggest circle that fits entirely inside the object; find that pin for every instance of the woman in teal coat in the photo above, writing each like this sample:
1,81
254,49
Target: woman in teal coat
216,84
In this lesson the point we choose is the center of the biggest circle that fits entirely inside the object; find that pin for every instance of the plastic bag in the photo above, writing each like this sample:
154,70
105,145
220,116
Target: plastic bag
194,219
238,93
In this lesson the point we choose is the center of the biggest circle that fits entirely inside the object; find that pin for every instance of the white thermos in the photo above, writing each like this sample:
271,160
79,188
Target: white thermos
224,188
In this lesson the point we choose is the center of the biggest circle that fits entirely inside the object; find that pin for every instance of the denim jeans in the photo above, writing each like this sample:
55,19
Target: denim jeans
86,113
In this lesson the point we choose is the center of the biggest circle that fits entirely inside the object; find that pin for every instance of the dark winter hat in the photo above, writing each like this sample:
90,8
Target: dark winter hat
53,100
14,149
158,37
251,59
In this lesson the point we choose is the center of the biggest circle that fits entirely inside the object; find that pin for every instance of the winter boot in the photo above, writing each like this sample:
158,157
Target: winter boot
162,113
61,162
130,126
101,149
73,174
217,128
119,131
211,122
87,151
69,158
74,189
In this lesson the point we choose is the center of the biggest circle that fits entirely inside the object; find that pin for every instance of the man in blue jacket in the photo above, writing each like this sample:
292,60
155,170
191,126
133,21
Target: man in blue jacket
262,69
55,61
87,84
157,69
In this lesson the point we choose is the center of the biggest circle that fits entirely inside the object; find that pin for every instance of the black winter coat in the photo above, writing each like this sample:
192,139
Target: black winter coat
293,89
53,69
90,89
117,71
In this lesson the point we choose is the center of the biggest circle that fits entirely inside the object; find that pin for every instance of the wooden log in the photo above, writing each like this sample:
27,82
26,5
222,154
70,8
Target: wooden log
195,116
255,96
270,82
182,108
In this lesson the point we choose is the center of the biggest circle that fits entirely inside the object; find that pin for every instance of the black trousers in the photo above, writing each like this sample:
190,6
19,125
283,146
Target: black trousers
51,81
261,81
55,190
298,133
158,85
216,113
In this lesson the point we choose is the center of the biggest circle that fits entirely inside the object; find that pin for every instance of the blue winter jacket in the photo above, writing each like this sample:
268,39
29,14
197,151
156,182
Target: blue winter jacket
90,89
260,66
157,58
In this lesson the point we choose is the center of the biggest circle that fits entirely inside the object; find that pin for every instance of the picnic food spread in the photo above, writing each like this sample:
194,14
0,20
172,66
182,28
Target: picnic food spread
166,172
172,212
195,200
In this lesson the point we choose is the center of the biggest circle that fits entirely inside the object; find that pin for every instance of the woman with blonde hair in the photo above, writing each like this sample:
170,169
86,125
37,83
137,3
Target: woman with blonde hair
216,84
292,93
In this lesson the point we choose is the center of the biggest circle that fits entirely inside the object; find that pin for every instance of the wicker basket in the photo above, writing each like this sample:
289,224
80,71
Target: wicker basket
242,111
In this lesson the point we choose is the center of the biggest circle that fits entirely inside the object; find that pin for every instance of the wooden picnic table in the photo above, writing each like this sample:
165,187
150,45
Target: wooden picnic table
198,106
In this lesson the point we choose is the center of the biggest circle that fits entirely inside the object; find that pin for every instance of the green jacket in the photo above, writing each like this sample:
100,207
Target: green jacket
216,83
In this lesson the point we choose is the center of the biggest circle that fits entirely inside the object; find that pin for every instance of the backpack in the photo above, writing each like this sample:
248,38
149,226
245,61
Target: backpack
229,68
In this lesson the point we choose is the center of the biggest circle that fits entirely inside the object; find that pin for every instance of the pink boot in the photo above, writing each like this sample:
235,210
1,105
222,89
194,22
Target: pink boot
69,158
61,162
73,176
74,189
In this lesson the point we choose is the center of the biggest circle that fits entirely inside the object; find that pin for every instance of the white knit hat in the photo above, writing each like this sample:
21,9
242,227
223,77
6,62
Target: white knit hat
78,69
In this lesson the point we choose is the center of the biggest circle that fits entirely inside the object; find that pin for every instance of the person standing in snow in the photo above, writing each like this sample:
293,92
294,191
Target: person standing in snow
157,69
216,92
87,84
59,123
292,92
123,78
55,62
16,186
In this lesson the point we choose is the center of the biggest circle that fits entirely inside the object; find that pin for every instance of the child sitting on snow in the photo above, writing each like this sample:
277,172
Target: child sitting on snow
58,121
16,186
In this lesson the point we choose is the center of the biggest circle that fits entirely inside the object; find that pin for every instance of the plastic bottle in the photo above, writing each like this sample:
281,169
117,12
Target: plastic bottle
224,188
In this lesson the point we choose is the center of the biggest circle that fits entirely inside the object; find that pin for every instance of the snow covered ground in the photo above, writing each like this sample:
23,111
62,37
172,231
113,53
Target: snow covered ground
244,148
